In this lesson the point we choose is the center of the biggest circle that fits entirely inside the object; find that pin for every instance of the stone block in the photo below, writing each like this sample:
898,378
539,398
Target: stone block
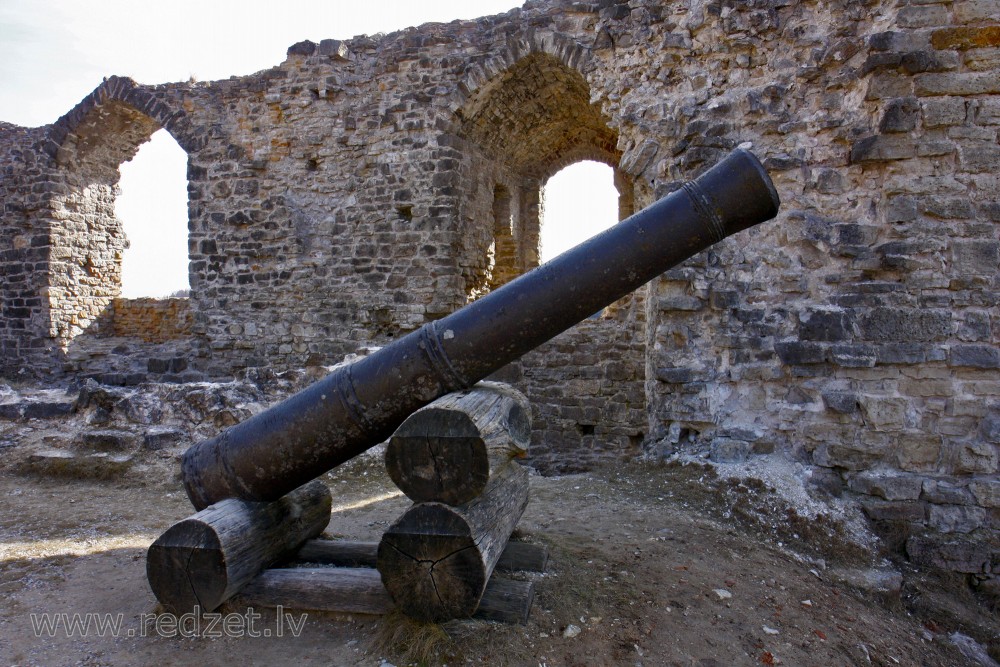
980,158
950,553
974,356
674,375
886,485
108,440
853,356
904,325
884,413
161,438
844,402
890,510
956,518
986,492
849,456
967,37
973,11
943,492
989,427
62,463
957,83
944,111
918,451
922,16
825,325
794,353
729,450
975,458
900,115
882,148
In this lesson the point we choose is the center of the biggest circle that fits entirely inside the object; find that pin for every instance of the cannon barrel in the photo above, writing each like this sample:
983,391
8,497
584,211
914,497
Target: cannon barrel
359,405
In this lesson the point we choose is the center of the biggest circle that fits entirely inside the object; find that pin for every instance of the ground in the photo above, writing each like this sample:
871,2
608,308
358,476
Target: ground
651,564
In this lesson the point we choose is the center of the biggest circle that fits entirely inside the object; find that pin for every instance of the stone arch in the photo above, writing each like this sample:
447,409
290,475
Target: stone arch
86,240
532,117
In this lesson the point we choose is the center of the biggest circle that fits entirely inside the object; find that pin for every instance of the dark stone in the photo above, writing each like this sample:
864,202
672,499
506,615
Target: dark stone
892,325
974,356
674,375
48,409
901,115
844,402
826,325
160,438
990,428
853,356
724,299
890,510
157,366
303,48
794,353
908,353
950,553
11,411
108,440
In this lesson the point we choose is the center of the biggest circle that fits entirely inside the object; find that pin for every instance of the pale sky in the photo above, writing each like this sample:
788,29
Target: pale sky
53,53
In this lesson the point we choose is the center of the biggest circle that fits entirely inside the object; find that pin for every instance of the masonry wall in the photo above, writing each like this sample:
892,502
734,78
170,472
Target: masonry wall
365,187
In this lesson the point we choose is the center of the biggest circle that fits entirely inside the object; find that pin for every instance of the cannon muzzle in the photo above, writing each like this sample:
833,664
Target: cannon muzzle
358,406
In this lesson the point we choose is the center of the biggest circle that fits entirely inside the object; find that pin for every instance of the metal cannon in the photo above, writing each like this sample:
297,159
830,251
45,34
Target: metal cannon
360,405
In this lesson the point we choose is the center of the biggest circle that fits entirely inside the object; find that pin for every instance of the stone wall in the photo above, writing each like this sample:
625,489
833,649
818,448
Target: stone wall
363,188
151,320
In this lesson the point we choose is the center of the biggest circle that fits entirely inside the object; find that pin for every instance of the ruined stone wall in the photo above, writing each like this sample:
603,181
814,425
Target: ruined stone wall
365,187
24,256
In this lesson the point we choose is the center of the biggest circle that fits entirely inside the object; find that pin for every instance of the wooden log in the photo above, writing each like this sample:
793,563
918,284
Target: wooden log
207,558
436,559
446,451
516,557
360,591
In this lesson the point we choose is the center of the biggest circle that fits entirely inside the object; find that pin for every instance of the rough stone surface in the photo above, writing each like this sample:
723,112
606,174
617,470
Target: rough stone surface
364,187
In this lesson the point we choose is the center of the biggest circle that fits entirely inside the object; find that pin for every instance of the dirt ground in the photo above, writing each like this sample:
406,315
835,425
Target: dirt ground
651,564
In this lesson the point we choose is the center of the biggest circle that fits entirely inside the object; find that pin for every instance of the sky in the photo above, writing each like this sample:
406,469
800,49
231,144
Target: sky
53,53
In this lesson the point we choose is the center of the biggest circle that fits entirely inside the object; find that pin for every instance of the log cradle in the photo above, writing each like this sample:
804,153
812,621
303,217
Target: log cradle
254,485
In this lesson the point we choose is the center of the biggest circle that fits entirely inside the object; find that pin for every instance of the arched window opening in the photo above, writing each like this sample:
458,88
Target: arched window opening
152,205
580,201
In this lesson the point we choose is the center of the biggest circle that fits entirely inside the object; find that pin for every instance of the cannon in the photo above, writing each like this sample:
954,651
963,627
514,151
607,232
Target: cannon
359,405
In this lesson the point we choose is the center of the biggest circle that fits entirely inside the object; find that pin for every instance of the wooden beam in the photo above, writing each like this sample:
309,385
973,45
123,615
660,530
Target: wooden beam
360,591
516,557
447,451
207,558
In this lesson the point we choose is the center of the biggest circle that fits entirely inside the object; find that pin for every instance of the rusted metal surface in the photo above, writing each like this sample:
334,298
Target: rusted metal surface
360,405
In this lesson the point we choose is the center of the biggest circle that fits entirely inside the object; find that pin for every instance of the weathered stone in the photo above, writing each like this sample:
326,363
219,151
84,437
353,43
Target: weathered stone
162,437
729,450
886,485
888,510
973,83
825,325
796,353
974,356
976,458
900,115
955,554
956,518
944,111
966,37
62,463
885,325
942,492
986,492
884,412
844,402
108,440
